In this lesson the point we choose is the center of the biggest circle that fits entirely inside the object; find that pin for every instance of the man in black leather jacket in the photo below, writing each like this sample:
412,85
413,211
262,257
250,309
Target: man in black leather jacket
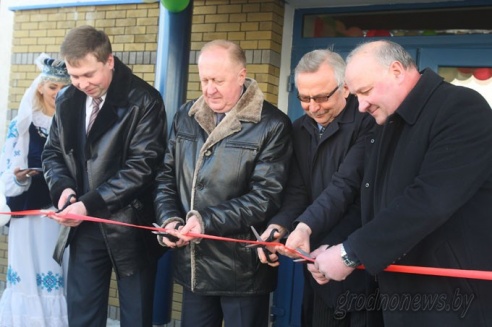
221,178
110,168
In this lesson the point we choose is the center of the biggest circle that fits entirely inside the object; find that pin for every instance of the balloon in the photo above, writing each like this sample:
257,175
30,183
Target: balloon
175,5
449,73
462,76
465,70
373,33
354,31
340,28
429,32
483,73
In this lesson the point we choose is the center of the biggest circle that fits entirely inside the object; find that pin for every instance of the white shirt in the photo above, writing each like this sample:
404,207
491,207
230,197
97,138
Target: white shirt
88,108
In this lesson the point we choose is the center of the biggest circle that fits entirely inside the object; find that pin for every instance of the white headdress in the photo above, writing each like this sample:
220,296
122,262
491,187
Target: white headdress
16,148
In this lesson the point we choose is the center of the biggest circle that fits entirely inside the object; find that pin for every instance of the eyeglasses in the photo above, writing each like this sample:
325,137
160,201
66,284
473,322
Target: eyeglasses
317,99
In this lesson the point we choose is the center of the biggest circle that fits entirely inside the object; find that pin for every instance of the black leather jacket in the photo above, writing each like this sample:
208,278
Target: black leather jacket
126,143
231,177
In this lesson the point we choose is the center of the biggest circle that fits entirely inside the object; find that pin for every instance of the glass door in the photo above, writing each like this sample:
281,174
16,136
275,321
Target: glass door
466,67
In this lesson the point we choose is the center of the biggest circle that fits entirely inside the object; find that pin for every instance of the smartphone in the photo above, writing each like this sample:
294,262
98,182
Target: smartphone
34,168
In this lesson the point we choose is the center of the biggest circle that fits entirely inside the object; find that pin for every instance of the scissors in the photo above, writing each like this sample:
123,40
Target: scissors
67,203
304,253
270,238
170,237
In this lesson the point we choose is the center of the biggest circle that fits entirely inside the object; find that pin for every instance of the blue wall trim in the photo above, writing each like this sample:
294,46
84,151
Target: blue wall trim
56,4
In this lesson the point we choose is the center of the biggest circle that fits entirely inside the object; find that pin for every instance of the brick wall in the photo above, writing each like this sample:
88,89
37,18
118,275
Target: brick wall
255,24
132,30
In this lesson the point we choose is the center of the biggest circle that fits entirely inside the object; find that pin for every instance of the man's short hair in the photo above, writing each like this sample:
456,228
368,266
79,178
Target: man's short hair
237,53
84,40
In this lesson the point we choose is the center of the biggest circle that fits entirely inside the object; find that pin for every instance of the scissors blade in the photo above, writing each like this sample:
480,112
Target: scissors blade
304,253
157,232
258,238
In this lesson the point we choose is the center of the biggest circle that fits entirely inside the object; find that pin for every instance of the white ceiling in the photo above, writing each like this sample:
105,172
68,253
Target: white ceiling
348,3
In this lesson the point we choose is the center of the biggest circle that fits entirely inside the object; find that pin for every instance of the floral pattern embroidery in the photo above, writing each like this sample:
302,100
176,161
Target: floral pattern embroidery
12,276
49,281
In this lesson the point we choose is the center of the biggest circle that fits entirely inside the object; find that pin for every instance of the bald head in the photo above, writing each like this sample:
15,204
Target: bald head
385,52
381,74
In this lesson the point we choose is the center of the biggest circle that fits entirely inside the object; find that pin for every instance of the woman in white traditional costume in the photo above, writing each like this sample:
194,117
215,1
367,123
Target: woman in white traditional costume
35,293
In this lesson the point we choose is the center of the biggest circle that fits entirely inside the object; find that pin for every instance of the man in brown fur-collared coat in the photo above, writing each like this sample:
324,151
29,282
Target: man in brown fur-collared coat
220,177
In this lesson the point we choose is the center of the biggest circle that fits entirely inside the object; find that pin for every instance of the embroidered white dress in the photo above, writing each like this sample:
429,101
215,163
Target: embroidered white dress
35,293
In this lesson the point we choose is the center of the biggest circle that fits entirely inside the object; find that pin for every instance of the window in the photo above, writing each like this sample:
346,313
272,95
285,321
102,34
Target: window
400,23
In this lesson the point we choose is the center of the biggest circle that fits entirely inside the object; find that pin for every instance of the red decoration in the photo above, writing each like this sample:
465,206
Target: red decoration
354,31
373,33
483,73
318,27
465,70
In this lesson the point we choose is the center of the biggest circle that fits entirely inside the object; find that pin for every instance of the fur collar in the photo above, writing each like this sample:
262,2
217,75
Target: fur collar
248,109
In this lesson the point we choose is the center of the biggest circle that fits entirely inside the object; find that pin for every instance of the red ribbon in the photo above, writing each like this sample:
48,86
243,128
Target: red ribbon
431,271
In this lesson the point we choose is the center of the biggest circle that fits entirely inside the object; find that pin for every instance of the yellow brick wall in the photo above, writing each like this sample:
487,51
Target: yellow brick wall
3,256
131,28
256,25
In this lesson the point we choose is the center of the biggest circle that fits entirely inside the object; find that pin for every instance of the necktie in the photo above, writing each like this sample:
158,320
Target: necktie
219,117
96,102
321,131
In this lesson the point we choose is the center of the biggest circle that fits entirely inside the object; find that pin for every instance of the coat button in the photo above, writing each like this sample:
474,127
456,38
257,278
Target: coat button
137,204
373,140
208,153
367,185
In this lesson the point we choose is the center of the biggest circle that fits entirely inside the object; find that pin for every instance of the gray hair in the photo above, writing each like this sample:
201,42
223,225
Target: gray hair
236,53
312,61
386,52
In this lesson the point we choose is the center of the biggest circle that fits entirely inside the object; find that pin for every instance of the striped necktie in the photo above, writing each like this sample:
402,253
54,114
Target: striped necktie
219,117
96,102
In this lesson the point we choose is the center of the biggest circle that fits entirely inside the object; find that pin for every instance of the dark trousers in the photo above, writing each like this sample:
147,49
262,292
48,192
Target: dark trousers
89,277
325,316
236,311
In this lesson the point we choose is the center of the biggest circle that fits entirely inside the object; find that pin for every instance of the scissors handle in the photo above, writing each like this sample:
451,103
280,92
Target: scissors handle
170,237
270,238
67,202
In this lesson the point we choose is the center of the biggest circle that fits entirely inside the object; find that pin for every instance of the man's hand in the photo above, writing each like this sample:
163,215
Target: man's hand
172,229
75,207
317,275
64,197
299,238
272,256
192,226
329,265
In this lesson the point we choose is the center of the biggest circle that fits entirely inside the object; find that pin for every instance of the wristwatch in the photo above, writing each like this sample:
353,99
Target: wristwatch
346,260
